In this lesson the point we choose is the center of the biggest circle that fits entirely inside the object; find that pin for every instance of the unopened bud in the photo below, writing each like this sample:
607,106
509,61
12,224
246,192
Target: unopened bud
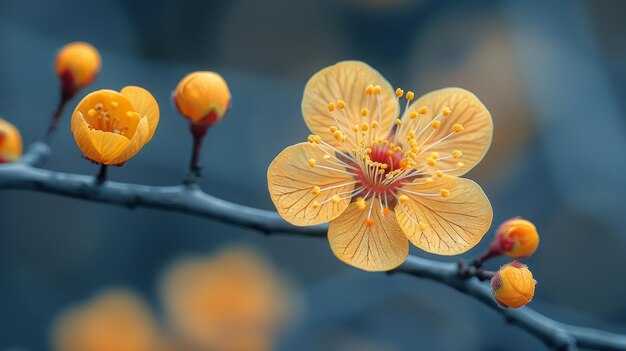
517,238
513,285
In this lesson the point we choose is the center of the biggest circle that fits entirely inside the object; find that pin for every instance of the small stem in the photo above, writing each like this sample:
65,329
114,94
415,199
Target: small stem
101,177
56,117
467,271
198,131
494,250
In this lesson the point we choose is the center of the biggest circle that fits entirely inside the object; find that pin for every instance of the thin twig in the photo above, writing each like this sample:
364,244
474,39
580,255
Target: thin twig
189,199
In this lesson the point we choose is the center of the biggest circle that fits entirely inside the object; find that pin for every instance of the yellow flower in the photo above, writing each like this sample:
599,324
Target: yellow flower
202,97
517,238
381,181
10,142
231,302
513,285
115,320
111,127
77,65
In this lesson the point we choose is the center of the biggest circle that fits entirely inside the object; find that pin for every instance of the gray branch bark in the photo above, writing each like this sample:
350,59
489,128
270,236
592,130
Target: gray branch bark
190,199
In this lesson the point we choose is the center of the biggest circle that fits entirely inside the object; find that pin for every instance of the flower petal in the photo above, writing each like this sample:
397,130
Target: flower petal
467,110
291,180
139,139
347,81
453,224
96,145
379,247
144,104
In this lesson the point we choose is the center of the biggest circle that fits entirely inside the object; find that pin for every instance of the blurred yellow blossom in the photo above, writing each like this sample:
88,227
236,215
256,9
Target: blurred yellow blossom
231,302
513,285
202,97
10,142
111,127
115,320
77,65
380,180
517,238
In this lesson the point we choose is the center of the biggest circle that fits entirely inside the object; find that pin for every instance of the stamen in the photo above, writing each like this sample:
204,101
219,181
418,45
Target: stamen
444,192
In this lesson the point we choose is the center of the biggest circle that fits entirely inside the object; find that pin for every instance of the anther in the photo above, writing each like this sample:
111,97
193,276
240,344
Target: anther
91,112
423,110
316,190
331,106
411,135
431,161
439,174
422,226
434,155
403,199
311,162
336,199
332,129
458,127
410,95
341,104
413,115
428,180
386,211
98,106
399,92
378,89
315,204
337,134
446,111
374,124
360,203
365,127
365,112
435,124
369,90
114,104
444,192
369,221
398,122
457,153
460,164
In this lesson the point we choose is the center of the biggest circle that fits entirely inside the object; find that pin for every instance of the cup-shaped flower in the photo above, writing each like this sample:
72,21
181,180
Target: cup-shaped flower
513,285
202,97
77,65
382,181
115,320
111,127
10,142
517,238
234,301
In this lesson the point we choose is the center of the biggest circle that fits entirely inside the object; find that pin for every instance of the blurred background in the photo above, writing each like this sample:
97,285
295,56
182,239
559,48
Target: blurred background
552,73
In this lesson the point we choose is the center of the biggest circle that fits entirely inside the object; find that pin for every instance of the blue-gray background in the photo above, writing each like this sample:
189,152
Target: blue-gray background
553,74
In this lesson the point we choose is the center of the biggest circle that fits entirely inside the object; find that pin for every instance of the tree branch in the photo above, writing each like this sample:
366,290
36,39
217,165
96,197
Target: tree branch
190,199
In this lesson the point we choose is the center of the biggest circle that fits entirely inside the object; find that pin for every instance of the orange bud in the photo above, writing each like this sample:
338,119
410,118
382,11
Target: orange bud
202,97
517,238
10,142
513,285
77,65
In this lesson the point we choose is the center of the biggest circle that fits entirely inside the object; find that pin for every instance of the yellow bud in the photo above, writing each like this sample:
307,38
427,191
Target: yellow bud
410,95
399,92
10,142
202,97
513,285
77,65
517,238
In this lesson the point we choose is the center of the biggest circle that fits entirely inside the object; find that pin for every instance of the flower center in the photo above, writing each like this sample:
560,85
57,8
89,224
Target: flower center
112,113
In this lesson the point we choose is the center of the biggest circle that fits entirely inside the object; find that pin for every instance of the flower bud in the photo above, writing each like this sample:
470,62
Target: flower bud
10,142
513,285
77,65
517,238
202,97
